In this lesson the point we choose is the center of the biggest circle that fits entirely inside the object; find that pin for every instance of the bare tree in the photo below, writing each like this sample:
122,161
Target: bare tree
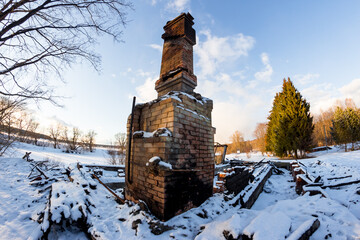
72,142
113,158
23,122
33,132
238,143
89,140
117,152
55,134
8,109
38,37
120,141
260,135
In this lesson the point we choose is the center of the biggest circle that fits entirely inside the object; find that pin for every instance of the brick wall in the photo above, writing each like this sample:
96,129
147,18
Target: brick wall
177,53
190,151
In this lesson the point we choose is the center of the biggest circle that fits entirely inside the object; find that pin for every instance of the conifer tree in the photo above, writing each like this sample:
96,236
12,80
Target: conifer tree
346,126
290,124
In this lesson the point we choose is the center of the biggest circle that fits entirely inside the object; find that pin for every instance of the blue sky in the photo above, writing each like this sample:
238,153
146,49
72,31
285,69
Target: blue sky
244,50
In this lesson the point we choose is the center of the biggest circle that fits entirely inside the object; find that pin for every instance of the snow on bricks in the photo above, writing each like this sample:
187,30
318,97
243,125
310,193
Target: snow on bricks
156,161
161,132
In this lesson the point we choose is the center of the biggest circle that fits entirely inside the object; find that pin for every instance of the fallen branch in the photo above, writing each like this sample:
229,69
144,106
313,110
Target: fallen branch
41,172
27,157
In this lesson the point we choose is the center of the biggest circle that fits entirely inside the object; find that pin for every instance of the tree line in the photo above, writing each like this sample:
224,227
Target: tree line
74,140
291,131
18,125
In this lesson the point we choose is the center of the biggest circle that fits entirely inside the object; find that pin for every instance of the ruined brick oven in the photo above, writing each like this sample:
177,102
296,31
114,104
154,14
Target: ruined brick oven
171,165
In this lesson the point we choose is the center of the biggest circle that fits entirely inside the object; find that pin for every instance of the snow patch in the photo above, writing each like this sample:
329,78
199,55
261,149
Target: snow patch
157,160
269,226
193,112
161,132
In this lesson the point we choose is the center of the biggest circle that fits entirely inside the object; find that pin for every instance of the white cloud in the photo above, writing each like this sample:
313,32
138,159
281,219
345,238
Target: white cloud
324,95
223,83
320,96
235,107
142,73
146,92
234,114
156,47
48,121
352,90
265,74
305,78
178,5
216,50
210,19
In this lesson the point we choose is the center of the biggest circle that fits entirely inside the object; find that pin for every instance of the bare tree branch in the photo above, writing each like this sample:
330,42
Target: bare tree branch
38,37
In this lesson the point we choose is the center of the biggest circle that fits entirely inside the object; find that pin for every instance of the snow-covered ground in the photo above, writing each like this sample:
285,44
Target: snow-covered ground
277,214
99,156
252,156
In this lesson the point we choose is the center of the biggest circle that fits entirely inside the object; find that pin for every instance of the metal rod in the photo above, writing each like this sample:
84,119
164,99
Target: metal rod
115,195
129,141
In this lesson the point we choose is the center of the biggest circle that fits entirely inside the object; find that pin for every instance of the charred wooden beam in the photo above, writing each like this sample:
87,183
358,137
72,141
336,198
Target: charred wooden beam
305,230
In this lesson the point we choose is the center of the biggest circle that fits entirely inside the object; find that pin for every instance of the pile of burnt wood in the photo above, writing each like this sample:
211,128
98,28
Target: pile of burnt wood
233,180
305,182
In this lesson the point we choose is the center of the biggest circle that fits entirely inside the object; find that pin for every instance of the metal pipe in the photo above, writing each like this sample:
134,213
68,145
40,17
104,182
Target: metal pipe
224,154
129,141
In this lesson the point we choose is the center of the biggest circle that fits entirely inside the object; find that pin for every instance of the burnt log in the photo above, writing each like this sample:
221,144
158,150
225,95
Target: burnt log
237,181
305,230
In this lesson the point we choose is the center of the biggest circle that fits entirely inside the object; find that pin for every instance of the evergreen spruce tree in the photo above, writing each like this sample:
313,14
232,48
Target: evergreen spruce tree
290,124
353,118
346,126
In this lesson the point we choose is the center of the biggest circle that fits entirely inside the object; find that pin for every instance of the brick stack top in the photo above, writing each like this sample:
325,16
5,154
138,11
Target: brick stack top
176,72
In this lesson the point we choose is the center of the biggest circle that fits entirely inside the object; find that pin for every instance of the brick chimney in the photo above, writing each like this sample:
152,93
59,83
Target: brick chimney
170,165
177,72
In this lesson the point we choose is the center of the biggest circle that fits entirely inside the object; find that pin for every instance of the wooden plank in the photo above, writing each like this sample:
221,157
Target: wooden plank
341,184
105,167
334,178
255,194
